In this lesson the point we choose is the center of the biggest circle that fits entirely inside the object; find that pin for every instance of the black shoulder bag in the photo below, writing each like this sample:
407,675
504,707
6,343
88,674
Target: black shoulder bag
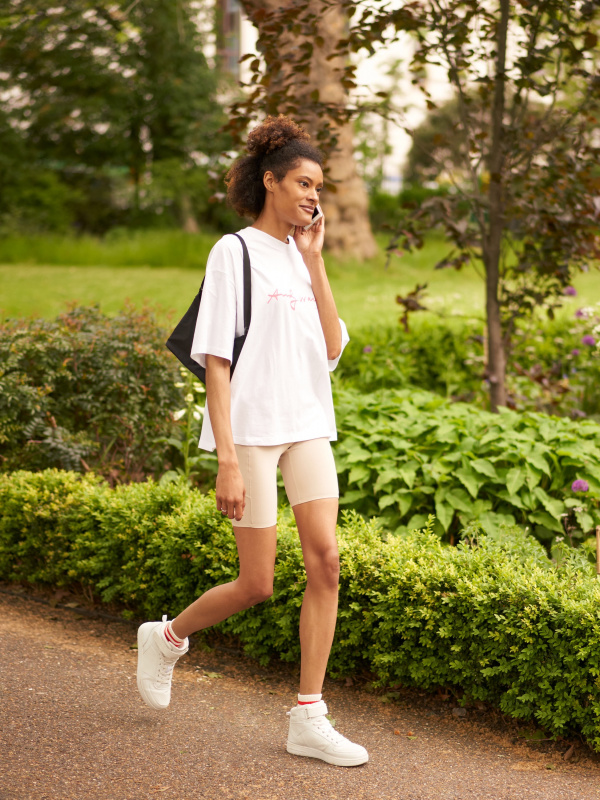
181,340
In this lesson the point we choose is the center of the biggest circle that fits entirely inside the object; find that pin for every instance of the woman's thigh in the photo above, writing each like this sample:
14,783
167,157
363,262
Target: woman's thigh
310,478
258,466
309,473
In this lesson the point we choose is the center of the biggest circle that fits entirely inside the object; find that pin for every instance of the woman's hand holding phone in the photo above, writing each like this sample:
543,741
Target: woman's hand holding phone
317,215
309,238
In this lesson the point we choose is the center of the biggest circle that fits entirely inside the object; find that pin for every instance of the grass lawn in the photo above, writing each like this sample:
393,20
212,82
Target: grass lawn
39,277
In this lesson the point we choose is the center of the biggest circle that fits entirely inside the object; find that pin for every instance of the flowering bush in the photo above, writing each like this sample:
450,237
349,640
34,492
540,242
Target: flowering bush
443,358
555,367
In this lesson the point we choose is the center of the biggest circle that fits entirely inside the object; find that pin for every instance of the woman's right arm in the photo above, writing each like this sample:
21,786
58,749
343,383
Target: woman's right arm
230,490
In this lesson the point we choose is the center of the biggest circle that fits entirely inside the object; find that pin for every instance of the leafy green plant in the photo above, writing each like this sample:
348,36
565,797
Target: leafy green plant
196,465
405,454
86,391
494,617
446,358
555,364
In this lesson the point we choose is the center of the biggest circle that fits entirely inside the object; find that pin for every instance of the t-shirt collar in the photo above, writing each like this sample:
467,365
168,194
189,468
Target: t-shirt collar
267,239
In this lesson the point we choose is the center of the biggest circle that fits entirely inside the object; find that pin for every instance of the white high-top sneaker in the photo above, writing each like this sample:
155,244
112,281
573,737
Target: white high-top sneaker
156,659
311,734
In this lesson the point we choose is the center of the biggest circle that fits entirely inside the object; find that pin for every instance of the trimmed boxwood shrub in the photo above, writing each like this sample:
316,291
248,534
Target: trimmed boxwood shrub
493,616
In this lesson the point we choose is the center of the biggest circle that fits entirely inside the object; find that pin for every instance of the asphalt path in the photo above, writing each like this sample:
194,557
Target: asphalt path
74,728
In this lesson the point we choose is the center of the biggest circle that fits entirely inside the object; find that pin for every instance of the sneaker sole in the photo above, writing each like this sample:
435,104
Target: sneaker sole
142,638
339,761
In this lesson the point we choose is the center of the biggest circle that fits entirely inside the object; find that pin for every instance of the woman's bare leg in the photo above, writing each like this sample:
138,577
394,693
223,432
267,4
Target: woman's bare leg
316,522
257,548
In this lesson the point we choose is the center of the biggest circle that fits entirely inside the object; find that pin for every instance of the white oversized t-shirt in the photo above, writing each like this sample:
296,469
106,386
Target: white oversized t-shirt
280,390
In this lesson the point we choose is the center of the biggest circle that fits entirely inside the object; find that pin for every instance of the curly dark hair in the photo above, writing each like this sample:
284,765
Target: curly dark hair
276,145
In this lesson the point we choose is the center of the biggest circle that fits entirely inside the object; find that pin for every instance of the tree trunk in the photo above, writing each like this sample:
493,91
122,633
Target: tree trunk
347,209
189,223
496,367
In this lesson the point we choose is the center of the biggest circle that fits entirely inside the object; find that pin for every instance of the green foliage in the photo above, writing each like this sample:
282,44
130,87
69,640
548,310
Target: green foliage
405,454
32,198
492,618
128,86
195,465
86,391
35,200
443,358
178,190
554,364
386,210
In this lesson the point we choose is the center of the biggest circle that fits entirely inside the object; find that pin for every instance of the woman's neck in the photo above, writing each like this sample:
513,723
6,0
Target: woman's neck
274,226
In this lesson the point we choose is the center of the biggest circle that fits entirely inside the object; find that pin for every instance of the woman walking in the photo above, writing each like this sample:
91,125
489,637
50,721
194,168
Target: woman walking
276,410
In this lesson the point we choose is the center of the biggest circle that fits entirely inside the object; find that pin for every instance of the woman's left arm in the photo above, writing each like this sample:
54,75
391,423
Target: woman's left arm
310,244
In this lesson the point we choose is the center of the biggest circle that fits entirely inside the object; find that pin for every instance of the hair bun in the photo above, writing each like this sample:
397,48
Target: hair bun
274,133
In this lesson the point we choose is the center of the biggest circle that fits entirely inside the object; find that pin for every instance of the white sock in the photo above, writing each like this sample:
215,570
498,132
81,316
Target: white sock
306,699
171,637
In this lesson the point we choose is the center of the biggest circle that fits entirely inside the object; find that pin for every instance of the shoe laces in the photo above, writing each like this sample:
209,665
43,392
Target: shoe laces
324,726
165,669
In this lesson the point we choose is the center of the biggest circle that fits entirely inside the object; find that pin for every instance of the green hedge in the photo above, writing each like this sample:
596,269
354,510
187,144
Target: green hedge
406,454
493,616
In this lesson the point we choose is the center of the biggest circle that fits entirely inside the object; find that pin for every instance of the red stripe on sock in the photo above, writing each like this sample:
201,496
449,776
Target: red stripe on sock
307,702
170,637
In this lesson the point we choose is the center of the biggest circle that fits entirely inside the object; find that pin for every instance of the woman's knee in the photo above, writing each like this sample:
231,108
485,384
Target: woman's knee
256,591
326,571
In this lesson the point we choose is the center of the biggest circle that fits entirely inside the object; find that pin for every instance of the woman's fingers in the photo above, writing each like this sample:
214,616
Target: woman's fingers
234,509
230,493
238,508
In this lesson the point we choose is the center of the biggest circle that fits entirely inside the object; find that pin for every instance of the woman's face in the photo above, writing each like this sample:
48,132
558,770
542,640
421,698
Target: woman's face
296,195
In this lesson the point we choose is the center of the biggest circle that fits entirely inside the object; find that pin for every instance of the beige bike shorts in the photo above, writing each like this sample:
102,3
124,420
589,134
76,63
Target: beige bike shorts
308,471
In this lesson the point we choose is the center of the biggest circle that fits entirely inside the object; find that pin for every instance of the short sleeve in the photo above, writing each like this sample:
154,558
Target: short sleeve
345,339
216,324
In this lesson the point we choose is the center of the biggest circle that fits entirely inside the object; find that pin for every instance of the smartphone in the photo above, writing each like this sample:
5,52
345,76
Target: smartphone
317,215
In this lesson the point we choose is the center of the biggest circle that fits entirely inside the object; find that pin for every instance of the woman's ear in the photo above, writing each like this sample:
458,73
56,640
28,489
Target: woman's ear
269,180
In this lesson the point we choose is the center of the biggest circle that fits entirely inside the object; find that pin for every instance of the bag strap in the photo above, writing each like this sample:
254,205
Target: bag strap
247,285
